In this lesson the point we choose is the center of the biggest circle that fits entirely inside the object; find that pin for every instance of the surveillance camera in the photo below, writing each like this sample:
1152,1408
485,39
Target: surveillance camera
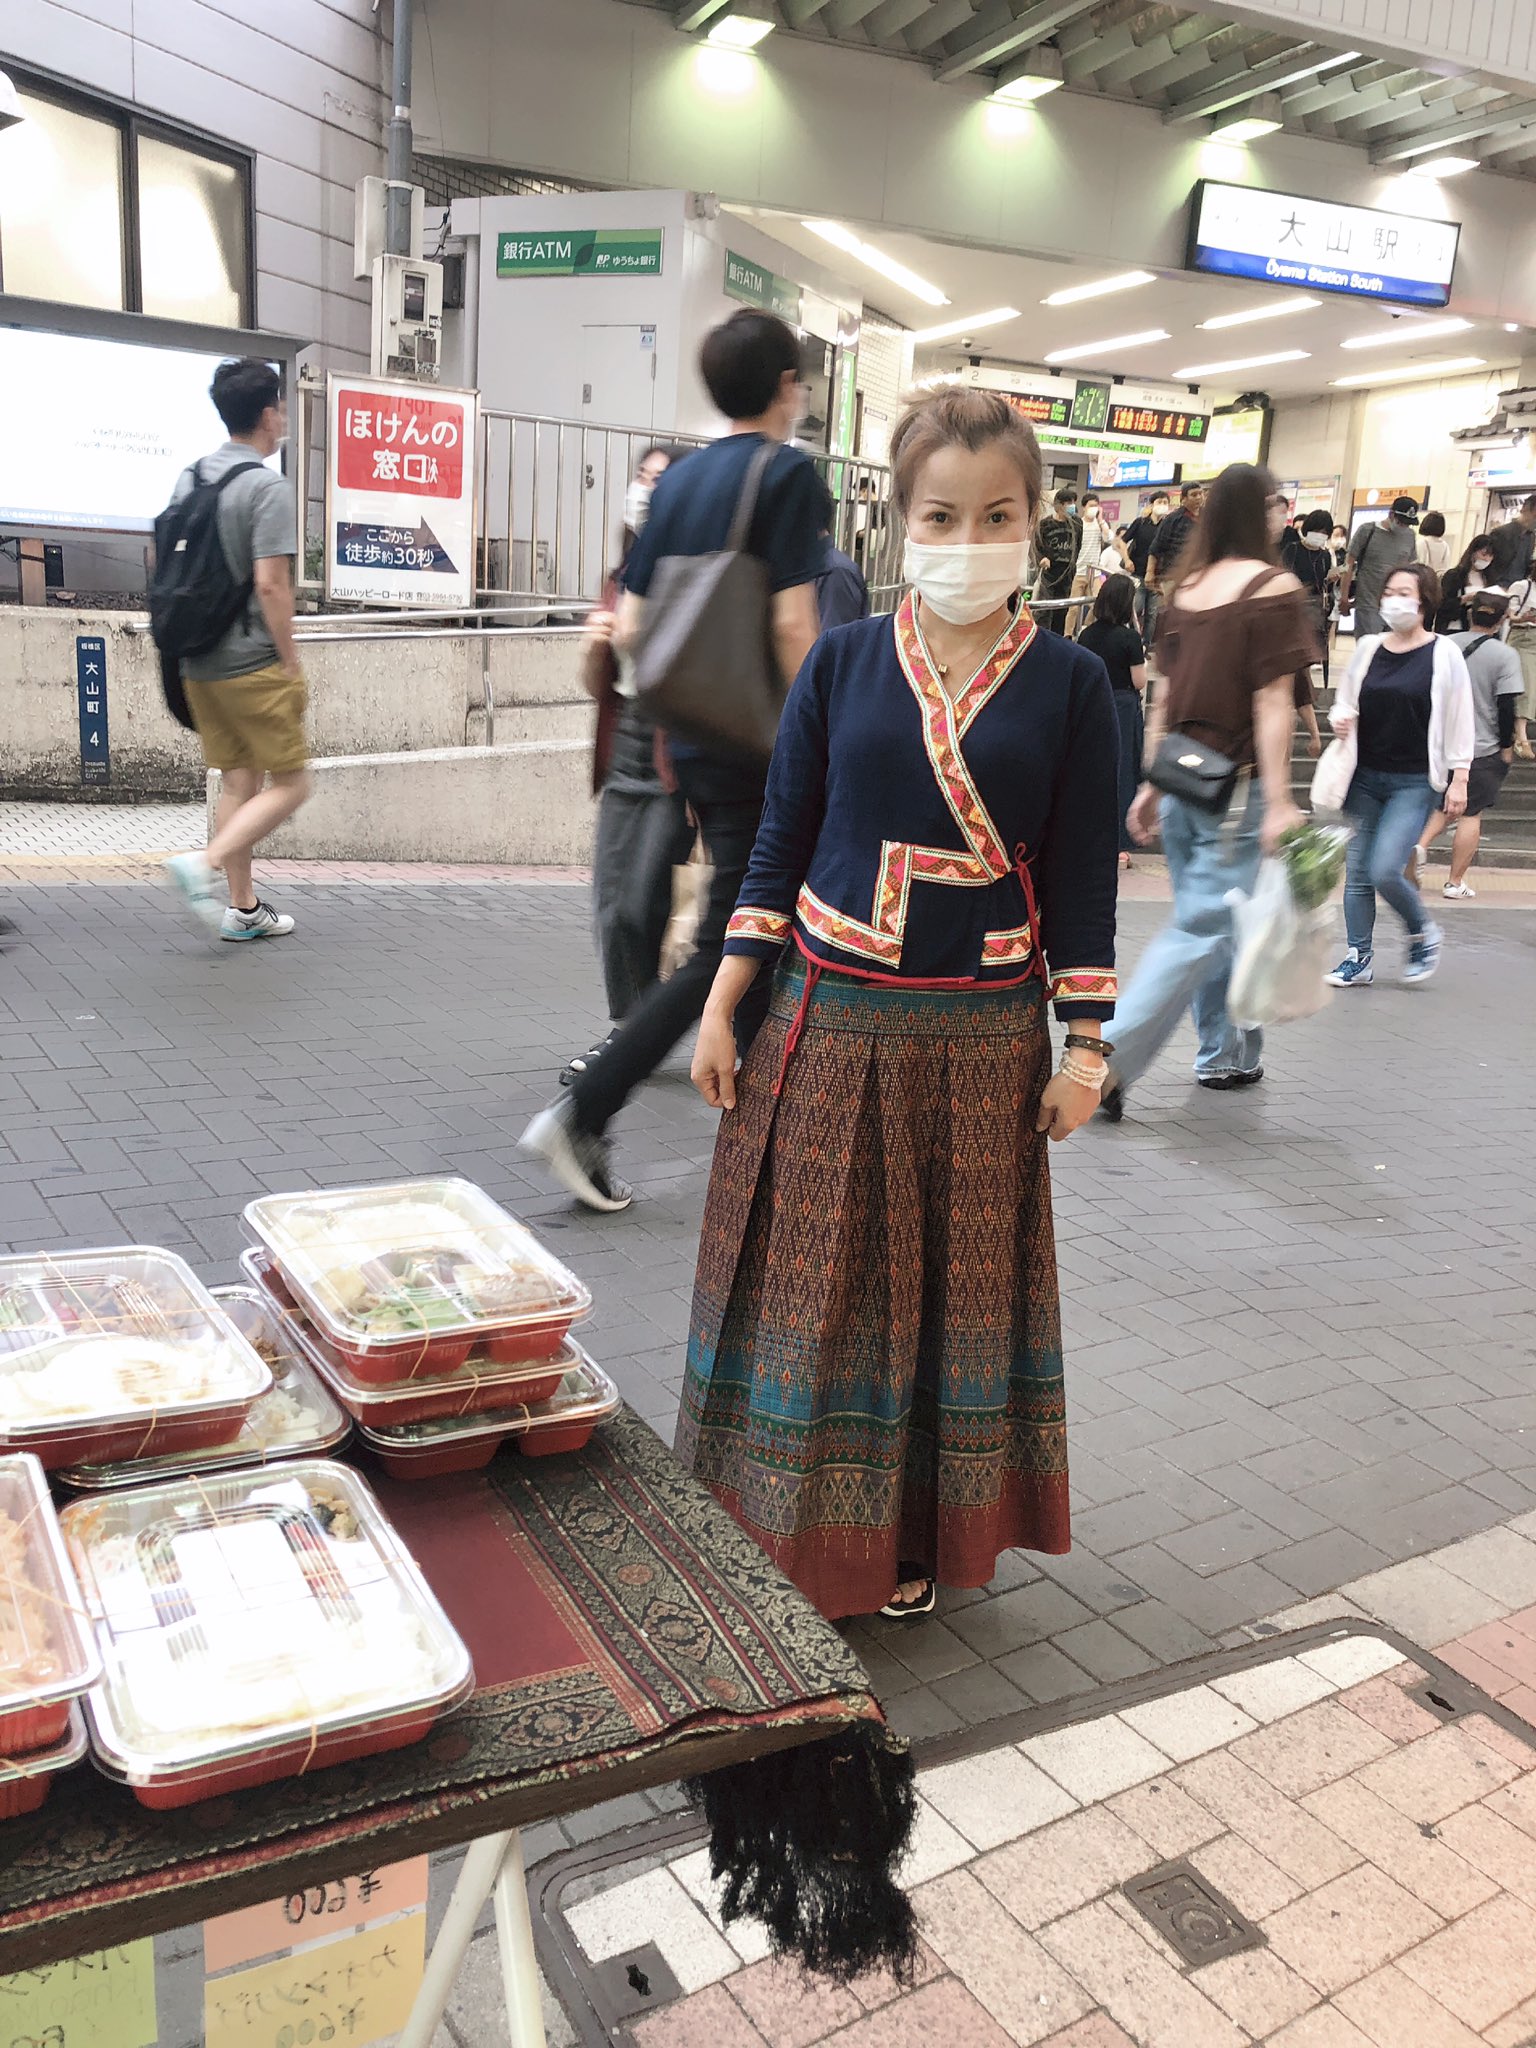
967,341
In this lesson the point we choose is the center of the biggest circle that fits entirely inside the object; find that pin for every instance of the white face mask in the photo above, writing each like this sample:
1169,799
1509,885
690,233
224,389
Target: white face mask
637,504
1401,614
963,583
1314,540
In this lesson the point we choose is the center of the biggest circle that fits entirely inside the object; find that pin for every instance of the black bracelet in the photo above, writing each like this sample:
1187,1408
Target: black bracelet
1079,1041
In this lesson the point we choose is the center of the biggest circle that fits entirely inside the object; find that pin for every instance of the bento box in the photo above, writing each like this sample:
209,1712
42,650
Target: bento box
114,1354
565,1422
299,1418
474,1387
407,1280
255,1625
48,1650
26,1781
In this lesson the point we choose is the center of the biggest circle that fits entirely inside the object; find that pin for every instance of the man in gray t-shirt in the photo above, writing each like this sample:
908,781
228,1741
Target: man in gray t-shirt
1497,684
247,694
1373,553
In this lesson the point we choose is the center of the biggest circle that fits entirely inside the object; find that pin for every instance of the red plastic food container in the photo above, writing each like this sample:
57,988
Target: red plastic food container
255,1625
47,1647
25,1782
299,1418
475,1387
118,1354
434,1450
409,1281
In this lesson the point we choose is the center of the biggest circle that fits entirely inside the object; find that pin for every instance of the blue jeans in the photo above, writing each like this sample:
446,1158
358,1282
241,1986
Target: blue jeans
1389,811
1189,963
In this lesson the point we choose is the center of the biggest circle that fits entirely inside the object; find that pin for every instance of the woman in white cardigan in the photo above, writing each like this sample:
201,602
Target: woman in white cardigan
1408,699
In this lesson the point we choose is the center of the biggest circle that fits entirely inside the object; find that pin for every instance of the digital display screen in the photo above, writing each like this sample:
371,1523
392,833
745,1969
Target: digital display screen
97,431
1161,424
1041,412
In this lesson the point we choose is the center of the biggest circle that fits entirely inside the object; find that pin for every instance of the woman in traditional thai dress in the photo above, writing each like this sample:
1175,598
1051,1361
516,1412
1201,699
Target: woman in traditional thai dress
874,1381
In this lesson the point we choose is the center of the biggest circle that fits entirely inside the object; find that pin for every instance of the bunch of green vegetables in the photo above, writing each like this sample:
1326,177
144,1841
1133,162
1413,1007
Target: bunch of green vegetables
1314,862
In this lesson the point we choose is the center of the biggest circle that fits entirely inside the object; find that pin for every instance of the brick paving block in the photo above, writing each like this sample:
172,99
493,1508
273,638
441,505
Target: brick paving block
995,1796
881,1987
1161,1632
1423,1601
1248,1878
935,1848
1028,1993
1226,1540
1268,1692
1350,1927
1311,1748
1187,1724
981,1693
1509,1650
1482,1966
1089,1579
1257,1990
928,1649
1326,1561
1393,2012
709,2019
1494,1846
1419,1860
1136,1980
920,1714
1389,1710
1438,1775
1166,1818
1097,2031
1102,1649
1027,1615
1324,2027
1096,1758
1286,1833
944,2011
1520,1750
790,2008
1050,1873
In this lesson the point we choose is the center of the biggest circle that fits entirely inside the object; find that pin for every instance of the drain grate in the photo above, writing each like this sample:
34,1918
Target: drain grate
636,1983
1191,1915
1445,1702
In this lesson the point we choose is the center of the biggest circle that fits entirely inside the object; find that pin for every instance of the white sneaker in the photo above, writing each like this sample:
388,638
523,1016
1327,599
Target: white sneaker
1418,861
577,1158
199,888
1353,971
1459,892
261,923
1423,955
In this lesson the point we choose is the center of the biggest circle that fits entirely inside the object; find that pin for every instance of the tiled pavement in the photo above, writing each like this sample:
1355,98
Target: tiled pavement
1385,1860
1299,1349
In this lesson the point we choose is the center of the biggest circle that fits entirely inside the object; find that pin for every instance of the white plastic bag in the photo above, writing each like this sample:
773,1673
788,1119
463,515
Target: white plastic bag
1334,773
1282,952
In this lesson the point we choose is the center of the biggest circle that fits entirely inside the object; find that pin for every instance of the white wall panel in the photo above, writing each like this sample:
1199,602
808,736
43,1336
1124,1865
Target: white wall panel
296,82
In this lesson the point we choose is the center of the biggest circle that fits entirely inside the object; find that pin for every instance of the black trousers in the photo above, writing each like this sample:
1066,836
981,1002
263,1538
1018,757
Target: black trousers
727,800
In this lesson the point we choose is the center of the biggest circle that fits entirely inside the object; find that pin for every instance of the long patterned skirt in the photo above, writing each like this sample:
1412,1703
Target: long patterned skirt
874,1363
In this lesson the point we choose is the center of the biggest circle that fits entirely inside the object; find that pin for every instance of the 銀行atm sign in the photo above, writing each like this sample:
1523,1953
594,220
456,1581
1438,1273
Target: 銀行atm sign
400,489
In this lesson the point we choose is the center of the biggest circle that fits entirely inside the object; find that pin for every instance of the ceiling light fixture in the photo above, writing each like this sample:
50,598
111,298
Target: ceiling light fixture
738,30
1511,326
1407,331
875,259
1196,371
968,325
1040,73
1263,116
1095,351
1072,294
1444,367
1444,166
1300,304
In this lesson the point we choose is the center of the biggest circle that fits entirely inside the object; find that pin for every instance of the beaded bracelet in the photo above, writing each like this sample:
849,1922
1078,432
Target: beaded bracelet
1084,1076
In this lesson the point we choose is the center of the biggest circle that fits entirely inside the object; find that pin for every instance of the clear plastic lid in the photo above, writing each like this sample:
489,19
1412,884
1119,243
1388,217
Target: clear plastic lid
385,1267
299,1418
247,1610
586,1395
115,1336
476,1382
47,1645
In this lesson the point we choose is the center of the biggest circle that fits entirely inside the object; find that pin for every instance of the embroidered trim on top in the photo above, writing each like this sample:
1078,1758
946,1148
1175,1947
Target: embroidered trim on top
1085,985
845,932
1011,948
759,924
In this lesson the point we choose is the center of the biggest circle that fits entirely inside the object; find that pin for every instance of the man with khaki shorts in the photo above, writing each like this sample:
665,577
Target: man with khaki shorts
246,693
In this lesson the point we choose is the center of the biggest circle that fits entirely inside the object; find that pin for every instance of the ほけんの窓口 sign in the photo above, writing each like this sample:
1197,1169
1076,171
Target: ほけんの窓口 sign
400,492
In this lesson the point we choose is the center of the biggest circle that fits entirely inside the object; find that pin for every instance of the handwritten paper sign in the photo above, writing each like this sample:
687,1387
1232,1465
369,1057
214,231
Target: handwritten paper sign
347,1993
104,2000
323,1910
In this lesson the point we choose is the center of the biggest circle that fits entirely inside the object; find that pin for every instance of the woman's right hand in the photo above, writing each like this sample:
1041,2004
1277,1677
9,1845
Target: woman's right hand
713,1071
600,627
1142,818
1341,728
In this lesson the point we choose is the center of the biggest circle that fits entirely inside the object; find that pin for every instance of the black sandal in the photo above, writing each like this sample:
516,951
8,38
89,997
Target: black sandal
911,1610
577,1066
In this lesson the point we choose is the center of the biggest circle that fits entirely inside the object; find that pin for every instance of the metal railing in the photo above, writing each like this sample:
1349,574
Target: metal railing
550,506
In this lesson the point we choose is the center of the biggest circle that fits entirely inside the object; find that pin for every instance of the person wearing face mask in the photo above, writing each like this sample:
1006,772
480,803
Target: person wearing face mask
1497,685
1233,636
1339,541
1470,574
751,368
1374,551
1408,699
1139,539
642,820
873,1383
1522,638
1058,543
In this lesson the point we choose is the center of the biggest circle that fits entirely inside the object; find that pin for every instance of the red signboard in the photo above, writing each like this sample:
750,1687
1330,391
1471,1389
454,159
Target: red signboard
400,442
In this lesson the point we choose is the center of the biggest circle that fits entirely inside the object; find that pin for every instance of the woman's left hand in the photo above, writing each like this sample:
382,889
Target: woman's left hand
1065,1107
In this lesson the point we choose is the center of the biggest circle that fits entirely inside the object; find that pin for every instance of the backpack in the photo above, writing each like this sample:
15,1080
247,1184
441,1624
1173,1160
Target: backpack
193,596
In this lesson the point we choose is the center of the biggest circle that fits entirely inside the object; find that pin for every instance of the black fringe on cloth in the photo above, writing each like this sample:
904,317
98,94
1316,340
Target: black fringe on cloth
809,1840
